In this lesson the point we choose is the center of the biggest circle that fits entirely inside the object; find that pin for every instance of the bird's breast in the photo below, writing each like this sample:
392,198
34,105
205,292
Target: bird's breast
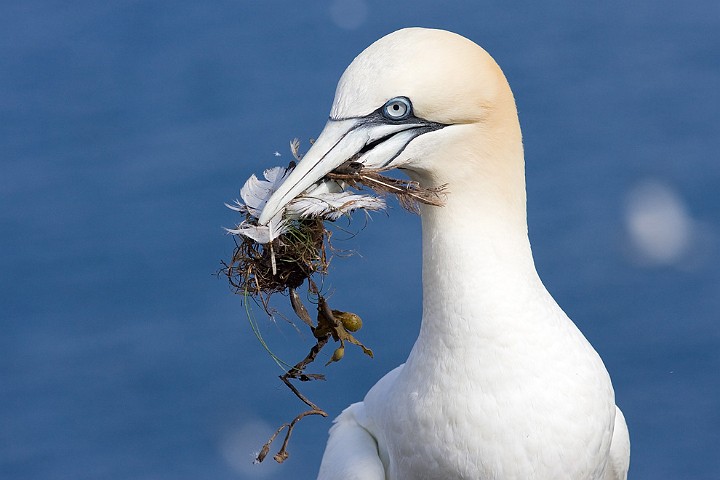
495,414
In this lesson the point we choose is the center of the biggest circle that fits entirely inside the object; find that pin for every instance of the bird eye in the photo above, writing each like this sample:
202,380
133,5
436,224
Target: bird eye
398,108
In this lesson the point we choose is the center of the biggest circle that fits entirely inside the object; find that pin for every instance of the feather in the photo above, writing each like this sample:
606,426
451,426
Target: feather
255,193
260,233
331,206
327,200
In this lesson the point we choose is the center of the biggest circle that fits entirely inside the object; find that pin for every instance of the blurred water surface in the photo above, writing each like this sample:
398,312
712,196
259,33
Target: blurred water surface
127,124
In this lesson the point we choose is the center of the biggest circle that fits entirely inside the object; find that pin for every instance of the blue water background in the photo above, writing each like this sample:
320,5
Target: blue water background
125,126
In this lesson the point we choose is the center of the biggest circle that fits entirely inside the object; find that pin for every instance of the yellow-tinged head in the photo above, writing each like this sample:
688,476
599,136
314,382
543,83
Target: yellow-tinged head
430,102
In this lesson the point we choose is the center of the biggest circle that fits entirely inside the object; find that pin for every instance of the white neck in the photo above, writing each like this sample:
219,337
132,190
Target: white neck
478,268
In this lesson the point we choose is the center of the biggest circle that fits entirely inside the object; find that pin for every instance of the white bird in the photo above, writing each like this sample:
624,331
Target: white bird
500,383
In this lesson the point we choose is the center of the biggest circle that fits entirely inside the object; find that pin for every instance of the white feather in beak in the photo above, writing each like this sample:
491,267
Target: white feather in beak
325,200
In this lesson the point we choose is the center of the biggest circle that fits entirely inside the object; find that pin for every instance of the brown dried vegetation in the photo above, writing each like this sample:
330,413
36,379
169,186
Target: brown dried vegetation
303,252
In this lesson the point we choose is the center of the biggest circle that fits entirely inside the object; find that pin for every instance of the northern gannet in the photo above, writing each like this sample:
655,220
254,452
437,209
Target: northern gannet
500,383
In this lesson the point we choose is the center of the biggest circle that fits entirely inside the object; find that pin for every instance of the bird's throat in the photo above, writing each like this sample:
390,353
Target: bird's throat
478,271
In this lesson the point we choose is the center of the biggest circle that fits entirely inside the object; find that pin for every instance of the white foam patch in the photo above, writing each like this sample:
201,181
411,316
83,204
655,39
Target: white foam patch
240,446
348,14
659,226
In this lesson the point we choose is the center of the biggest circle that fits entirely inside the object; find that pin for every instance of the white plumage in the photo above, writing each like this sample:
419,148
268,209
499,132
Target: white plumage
325,200
500,384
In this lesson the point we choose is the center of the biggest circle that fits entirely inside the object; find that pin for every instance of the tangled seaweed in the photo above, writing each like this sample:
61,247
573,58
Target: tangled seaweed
298,256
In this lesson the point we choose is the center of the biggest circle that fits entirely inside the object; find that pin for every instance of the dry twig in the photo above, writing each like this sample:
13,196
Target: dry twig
409,193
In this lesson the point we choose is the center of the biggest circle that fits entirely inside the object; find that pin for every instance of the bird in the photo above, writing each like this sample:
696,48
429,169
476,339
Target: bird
500,383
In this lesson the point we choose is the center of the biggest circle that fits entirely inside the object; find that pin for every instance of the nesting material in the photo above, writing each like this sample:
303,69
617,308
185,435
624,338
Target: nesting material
294,249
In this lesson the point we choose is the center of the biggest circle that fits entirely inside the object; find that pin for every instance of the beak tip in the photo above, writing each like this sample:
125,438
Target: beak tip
275,205
332,148
265,216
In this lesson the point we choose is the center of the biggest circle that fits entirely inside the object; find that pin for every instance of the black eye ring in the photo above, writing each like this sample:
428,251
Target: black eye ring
398,108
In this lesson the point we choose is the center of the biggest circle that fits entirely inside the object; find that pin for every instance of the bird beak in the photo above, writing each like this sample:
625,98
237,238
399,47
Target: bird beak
365,140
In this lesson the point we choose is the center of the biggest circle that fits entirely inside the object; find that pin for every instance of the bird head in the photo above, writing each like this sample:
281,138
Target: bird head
430,102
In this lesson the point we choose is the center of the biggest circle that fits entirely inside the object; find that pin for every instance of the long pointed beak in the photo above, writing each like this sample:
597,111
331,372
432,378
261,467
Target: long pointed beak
374,144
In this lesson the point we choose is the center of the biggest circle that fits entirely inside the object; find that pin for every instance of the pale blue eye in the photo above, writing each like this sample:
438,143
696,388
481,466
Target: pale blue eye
398,108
